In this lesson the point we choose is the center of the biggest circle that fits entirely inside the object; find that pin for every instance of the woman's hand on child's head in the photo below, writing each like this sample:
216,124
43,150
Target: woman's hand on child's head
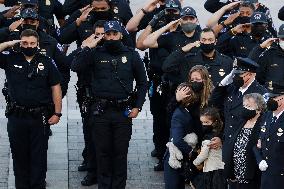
215,143
182,93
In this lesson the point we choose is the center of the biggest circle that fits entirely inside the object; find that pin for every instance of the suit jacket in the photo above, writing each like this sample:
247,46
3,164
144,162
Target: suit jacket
272,145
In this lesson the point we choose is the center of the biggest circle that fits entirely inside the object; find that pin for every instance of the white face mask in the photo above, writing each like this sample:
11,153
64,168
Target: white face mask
281,43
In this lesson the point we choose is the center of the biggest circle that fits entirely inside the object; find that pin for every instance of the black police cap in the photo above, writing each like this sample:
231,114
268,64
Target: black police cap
274,89
173,4
31,2
29,13
112,26
281,31
246,65
258,17
188,11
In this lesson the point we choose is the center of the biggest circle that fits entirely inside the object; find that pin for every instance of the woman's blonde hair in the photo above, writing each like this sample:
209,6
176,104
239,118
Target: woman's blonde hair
207,83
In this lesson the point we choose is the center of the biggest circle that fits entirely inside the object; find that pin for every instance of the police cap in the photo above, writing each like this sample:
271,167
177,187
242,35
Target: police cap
274,89
281,31
30,2
112,26
246,65
173,4
29,13
258,17
188,11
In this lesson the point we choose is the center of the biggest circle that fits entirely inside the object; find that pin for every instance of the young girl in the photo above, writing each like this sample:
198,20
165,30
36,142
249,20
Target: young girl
212,158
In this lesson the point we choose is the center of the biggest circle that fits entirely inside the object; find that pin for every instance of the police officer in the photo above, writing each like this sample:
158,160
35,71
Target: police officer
176,39
35,93
228,96
270,57
182,60
85,99
80,24
47,44
169,11
114,67
226,12
270,149
240,40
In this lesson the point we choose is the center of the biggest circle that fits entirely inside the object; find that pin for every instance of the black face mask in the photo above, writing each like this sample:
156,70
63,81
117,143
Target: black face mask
238,81
242,20
29,51
272,105
248,114
207,48
207,129
258,31
197,86
113,45
102,15
171,17
29,26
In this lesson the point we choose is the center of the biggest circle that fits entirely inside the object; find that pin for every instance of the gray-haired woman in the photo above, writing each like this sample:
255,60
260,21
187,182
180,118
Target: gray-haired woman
240,163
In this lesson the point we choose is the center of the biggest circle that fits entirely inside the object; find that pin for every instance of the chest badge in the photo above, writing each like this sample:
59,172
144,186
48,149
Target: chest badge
222,72
263,129
43,51
279,134
40,66
124,59
16,66
280,130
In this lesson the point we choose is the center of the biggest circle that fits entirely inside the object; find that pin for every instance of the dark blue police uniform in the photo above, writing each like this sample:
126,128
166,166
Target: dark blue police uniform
29,109
113,73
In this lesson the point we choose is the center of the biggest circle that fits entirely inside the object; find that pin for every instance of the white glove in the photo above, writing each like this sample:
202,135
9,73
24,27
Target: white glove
263,165
228,79
191,139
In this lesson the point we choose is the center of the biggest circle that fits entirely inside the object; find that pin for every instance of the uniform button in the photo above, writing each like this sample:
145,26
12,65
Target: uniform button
231,126
268,139
230,136
281,174
232,116
266,148
266,157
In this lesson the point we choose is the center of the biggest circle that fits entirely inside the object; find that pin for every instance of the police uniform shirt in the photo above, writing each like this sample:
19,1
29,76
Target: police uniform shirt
29,83
105,84
176,40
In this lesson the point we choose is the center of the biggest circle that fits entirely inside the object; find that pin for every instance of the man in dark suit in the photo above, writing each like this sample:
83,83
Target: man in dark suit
270,150
228,97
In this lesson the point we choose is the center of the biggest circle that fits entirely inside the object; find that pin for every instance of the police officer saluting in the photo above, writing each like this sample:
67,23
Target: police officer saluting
114,68
182,60
270,149
35,104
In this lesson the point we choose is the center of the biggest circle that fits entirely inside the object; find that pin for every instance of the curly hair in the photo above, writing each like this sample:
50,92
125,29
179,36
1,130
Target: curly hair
207,83
215,117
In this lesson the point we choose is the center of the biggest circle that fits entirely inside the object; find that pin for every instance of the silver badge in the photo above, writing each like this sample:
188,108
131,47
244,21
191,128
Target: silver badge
124,59
40,66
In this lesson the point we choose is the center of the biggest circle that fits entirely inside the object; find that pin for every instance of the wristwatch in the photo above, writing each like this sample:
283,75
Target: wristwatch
58,114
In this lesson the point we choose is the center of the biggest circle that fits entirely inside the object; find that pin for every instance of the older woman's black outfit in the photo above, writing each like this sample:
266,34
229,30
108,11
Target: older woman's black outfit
240,162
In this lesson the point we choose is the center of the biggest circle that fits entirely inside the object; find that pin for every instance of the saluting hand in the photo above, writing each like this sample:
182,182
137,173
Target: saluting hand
12,11
189,46
267,43
15,25
92,41
12,43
